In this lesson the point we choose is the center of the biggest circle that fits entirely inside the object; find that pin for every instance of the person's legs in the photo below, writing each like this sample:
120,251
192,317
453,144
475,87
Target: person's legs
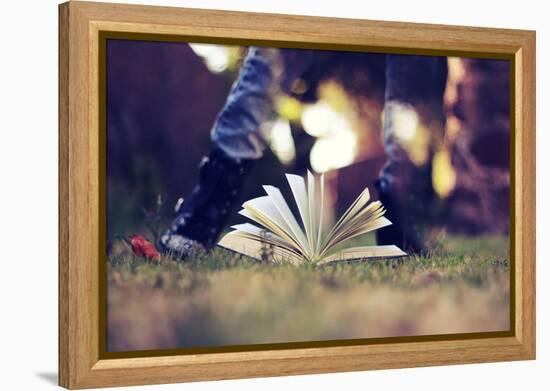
236,143
237,128
265,72
413,98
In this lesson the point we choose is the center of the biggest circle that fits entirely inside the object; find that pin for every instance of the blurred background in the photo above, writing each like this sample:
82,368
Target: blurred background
163,98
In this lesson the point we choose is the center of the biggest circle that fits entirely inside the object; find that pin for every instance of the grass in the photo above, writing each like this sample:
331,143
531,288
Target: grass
221,298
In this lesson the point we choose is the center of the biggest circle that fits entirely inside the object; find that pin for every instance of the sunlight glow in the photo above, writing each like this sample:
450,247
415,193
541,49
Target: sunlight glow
281,141
320,119
443,174
402,119
334,151
337,143
216,57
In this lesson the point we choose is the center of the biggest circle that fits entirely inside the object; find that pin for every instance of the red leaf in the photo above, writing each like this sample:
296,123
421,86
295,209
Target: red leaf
143,248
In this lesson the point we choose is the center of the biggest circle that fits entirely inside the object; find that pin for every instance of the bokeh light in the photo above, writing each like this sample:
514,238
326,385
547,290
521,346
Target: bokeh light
216,57
281,141
403,120
443,174
320,118
334,151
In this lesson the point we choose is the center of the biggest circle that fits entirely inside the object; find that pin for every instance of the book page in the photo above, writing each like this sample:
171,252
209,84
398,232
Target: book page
367,252
321,212
267,236
359,203
312,209
281,205
368,215
237,242
372,225
298,188
263,211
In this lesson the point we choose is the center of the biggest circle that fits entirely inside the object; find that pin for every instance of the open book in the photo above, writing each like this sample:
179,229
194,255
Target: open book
279,237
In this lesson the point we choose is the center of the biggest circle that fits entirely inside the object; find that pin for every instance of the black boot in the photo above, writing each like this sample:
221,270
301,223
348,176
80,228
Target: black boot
404,231
202,216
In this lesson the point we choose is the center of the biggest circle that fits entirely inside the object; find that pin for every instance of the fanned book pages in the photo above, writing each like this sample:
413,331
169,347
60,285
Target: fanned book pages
280,236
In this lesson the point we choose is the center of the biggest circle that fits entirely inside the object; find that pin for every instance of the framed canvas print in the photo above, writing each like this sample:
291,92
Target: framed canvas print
248,195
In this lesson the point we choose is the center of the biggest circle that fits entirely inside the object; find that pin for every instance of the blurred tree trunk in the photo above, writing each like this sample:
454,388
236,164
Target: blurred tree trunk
478,130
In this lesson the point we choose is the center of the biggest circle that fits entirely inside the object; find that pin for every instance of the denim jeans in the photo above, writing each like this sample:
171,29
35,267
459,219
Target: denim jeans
411,81
413,98
249,104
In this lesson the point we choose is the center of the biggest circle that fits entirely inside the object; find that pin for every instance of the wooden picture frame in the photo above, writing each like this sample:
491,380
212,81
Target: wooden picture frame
81,24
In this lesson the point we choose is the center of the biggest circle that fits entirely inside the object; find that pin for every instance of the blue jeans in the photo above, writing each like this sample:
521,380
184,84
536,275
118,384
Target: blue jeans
410,81
414,94
249,104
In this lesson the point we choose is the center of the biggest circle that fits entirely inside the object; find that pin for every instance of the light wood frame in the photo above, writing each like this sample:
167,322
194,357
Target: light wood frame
80,23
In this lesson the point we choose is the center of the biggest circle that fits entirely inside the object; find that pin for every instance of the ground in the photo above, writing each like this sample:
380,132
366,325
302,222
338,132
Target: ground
221,299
